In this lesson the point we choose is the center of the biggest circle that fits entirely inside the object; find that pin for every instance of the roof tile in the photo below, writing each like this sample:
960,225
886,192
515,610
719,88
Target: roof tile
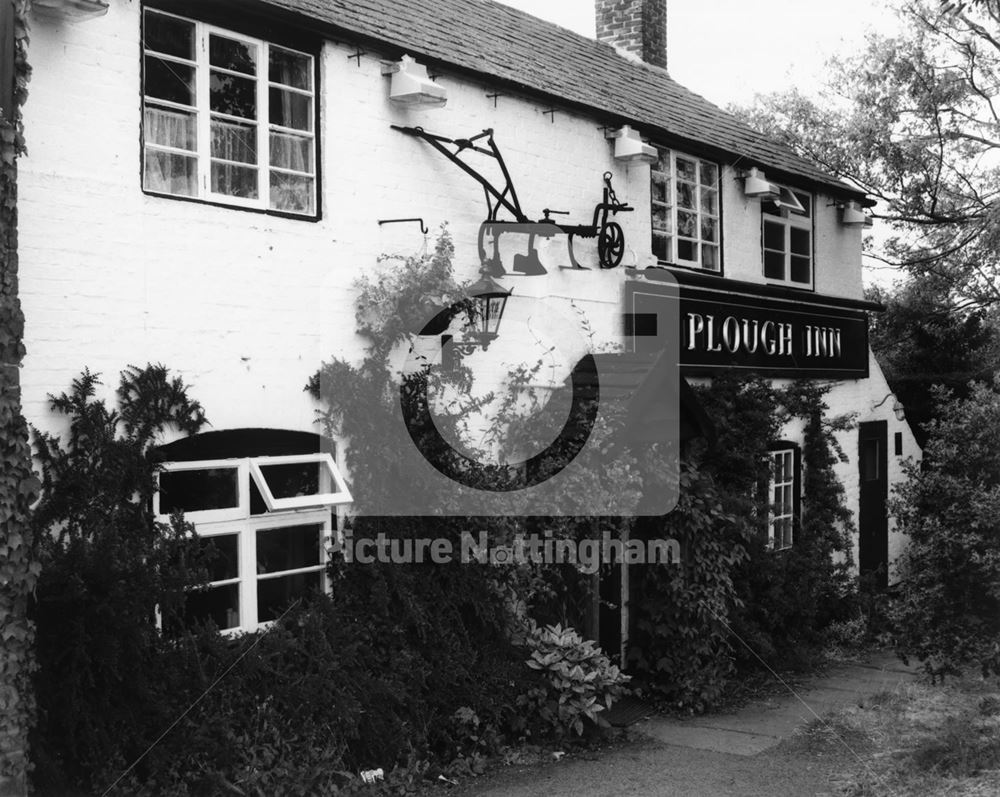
512,46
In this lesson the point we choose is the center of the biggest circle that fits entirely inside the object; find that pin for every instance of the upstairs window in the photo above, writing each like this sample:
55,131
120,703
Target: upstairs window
270,520
787,238
227,118
684,199
783,492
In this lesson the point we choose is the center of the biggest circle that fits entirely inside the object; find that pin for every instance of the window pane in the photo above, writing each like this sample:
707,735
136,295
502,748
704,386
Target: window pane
661,218
235,96
238,181
661,246
220,605
686,170
806,201
687,250
288,548
234,142
799,241
770,208
170,174
289,109
709,229
774,236
225,563
291,193
687,224
275,595
801,271
710,257
685,195
658,187
291,480
197,490
169,35
168,80
710,202
290,69
774,265
662,165
709,174
169,128
291,152
231,54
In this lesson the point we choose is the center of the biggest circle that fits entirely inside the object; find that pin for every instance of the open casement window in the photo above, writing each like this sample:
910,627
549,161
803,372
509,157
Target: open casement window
783,496
299,481
270,521
684,201
227,118
787,236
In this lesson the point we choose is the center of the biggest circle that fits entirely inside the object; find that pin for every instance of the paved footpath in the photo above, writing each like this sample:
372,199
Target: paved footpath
718,755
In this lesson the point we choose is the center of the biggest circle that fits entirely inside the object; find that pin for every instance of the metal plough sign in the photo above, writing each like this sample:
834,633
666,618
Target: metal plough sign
610,238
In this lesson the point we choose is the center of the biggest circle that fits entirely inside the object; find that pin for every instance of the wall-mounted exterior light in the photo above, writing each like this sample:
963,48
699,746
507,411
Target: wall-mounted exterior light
75,10
484,312
488,303
411,86
897,408
851,214
630,148
756,186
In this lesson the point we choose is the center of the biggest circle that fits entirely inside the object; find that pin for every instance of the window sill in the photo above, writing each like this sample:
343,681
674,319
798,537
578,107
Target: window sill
696,269
281,214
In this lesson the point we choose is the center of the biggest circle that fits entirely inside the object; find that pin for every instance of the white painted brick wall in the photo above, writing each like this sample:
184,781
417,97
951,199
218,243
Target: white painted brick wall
245,306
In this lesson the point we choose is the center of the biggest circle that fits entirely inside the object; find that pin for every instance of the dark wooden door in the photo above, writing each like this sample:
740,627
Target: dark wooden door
873,520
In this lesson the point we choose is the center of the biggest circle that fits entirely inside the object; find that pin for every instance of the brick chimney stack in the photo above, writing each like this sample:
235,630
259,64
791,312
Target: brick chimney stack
636,26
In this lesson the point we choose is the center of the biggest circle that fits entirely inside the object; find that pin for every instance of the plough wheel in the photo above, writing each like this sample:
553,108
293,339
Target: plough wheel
610,245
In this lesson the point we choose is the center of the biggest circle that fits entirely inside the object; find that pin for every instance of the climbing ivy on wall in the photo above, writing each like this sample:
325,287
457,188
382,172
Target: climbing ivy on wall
18,485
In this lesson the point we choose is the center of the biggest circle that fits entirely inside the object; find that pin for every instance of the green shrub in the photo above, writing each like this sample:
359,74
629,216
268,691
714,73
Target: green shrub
106,568
948,612
579,680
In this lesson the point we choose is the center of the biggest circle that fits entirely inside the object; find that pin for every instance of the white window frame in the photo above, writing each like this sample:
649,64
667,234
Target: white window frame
339,495
781,514
313,510
792,214
202,154
671,207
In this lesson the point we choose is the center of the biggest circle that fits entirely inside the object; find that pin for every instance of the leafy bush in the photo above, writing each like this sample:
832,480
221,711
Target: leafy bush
948,612
106,568
370,678
681,646
579,680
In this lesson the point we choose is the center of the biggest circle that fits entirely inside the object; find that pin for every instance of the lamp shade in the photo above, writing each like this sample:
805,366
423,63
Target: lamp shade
756,185
412,87
71,9
629,146
851,214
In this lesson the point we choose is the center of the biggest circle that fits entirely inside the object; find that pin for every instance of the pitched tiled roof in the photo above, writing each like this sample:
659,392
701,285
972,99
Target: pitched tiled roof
514,47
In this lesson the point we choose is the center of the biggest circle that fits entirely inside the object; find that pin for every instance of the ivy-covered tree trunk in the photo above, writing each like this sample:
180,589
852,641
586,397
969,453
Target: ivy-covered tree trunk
18,485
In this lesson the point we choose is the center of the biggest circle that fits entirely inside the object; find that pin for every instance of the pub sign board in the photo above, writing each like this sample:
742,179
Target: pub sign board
718,330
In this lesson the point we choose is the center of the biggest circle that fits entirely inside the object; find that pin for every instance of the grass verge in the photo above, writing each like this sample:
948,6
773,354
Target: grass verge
917,741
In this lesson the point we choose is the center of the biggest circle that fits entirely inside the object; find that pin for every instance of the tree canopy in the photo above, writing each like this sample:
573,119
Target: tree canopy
914,121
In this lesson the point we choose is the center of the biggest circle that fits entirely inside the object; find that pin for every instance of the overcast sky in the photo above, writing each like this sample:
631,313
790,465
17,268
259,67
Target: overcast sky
727,50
